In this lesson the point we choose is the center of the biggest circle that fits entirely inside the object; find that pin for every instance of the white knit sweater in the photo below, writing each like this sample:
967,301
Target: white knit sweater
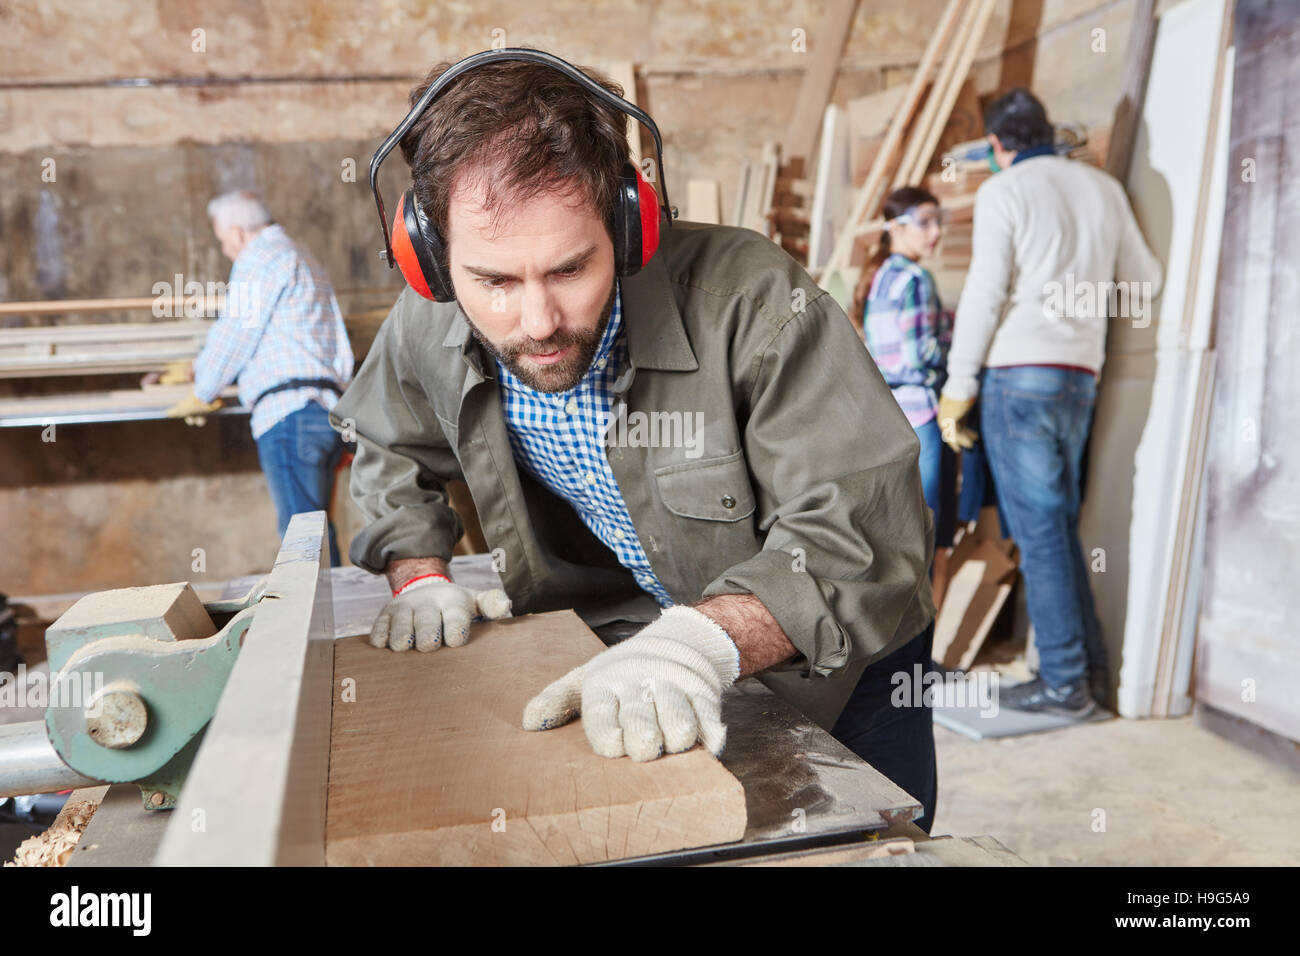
1054,246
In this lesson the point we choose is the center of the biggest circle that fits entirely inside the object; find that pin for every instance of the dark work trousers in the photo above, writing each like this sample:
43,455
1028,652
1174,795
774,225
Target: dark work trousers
897,741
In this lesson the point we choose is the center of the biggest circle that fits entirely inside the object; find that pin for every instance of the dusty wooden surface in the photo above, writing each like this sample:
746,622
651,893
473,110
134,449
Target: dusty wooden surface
429,765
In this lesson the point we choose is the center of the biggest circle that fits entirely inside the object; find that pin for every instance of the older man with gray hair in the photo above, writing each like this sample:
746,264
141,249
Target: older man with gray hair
281,337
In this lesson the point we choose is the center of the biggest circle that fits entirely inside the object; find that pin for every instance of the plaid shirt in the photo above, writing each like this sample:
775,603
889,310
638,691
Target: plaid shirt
279,322
908,333
559,438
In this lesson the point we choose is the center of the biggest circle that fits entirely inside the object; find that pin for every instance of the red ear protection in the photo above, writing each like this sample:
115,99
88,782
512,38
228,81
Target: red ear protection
415,246
648,207
405,256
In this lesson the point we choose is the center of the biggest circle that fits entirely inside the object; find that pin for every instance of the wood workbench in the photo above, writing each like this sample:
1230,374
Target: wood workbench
803,791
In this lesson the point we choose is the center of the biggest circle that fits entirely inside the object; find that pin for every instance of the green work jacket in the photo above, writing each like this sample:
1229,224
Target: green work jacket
801,489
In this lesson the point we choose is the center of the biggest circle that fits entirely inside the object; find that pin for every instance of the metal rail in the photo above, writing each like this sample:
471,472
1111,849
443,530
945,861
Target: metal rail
255,795
29,764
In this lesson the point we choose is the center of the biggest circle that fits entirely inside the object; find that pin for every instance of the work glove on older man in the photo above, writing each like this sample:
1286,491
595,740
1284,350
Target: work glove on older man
193,409
428,612
954,434
659,691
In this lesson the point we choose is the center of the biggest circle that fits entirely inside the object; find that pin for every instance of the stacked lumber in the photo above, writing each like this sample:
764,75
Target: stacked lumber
790,214
704,201
908,146
755,189
101,348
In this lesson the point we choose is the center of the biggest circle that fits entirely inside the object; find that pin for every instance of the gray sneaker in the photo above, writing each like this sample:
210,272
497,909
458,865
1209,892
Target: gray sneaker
1071,700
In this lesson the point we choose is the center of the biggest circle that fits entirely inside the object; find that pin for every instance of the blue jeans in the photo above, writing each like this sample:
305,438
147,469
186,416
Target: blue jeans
1035,423
938,479
299,454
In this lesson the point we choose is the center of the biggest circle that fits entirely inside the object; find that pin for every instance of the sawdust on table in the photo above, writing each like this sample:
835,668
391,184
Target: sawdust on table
55,845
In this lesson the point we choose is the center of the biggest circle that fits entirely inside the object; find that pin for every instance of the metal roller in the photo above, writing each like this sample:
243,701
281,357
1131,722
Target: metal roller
29,764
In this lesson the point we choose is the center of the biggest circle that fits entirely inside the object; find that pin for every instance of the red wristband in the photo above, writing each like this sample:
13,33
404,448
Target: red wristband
420,577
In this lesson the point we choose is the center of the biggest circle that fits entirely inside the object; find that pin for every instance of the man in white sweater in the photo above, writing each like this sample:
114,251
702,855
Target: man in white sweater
1057,254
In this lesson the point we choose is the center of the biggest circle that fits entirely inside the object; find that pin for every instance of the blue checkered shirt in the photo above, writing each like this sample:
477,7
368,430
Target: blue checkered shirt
280,321
558,437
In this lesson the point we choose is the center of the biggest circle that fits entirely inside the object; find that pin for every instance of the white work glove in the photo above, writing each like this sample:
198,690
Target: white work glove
430,612
658,691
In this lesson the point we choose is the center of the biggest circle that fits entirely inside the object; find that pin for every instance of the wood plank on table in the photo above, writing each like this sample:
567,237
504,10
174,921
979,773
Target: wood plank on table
431,754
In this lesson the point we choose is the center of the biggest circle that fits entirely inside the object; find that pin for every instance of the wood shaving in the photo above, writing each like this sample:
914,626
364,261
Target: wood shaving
55,845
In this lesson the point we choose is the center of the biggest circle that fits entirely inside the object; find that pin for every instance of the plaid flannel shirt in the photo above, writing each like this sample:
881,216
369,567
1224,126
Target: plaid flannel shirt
908,333
559,438
280,321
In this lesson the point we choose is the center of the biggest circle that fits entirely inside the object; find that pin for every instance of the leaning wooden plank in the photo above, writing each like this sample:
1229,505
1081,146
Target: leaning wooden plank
623,73
818,79
869,119
950,94
868,196
970,647
1155,359
703,201
744,195
942,80
770,167
1137,63
963,586
832,189
429,764
1173,669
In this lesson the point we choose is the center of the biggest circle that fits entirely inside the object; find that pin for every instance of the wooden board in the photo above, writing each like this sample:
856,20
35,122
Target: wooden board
151,402
819,79
882,166
704,201
431,755
833,189
1143,482
1247,662
623,72
1137,63
981,569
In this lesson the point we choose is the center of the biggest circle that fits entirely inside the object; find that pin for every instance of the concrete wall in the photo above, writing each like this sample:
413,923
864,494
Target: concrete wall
291,98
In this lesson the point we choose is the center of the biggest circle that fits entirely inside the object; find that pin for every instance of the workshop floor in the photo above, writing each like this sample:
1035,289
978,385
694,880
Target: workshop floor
1173,794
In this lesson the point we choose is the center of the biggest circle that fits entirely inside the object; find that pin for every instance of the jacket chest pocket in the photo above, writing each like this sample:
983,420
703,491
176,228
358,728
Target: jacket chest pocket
712,489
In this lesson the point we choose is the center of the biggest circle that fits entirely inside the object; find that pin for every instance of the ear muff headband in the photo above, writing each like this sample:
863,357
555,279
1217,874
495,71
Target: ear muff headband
418,253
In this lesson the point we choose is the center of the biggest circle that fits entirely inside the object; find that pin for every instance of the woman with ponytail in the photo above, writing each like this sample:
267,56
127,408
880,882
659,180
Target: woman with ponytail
908,333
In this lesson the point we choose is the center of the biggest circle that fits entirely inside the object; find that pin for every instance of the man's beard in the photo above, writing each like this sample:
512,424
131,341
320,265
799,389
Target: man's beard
564,374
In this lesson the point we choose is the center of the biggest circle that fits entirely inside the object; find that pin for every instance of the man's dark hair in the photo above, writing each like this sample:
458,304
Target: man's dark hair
526,128
1019,121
